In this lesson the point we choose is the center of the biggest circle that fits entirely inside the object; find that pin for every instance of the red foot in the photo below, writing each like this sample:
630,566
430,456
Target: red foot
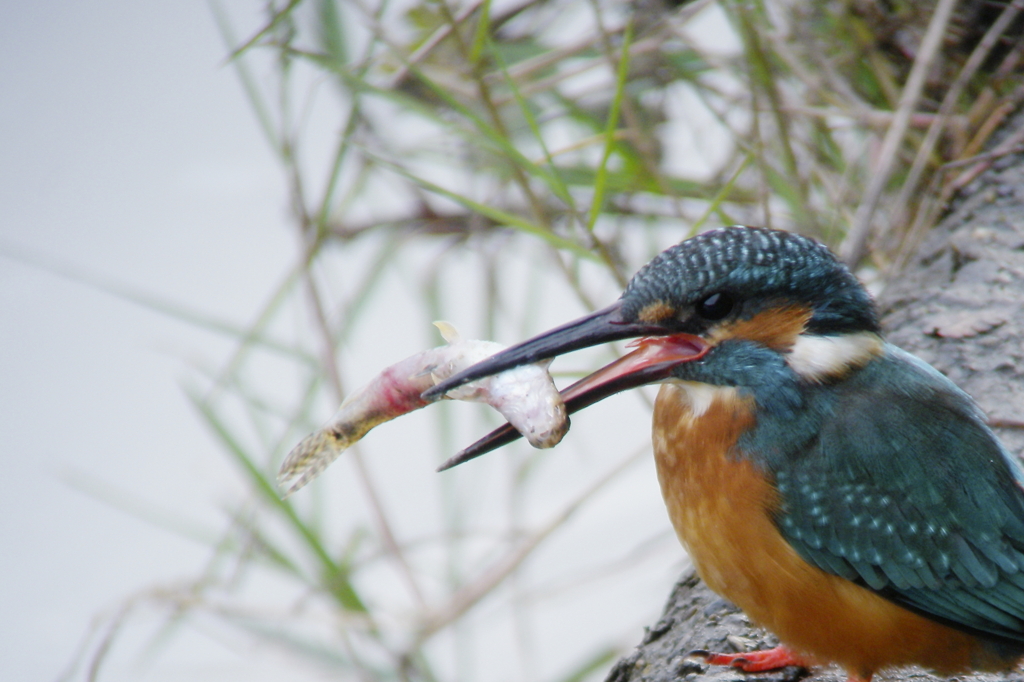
756,661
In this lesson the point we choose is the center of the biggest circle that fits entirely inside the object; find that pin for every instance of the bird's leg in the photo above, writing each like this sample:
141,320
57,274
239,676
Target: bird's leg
764,660
755,661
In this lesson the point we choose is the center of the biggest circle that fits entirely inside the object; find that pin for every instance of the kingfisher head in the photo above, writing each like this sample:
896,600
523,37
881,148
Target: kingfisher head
728,307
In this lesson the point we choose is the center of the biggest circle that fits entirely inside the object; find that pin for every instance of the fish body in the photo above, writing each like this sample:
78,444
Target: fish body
525,395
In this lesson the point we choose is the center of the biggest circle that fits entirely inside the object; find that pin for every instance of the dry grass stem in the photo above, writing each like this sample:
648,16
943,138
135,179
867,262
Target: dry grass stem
854,246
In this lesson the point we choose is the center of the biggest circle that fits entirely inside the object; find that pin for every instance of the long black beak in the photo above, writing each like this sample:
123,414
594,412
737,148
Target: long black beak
653,361
603,326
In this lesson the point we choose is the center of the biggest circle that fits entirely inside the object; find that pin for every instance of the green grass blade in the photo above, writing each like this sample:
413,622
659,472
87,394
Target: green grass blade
480,36
609,133
716,202
335,576
497,215
252,91
150,301
330,32
274,22
553,179
140,508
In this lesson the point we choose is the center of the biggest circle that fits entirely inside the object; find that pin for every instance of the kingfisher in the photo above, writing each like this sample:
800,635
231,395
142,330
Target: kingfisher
842,492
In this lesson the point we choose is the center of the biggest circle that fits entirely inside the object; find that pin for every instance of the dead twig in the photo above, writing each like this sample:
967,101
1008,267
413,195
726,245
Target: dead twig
939,124
854,246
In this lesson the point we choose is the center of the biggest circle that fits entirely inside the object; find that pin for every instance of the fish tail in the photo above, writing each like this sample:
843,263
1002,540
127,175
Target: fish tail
310,457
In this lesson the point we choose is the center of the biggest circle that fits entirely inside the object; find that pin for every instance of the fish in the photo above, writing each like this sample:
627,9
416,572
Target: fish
526,396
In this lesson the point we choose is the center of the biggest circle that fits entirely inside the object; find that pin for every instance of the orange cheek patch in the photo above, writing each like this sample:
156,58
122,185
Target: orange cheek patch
656,312
776,328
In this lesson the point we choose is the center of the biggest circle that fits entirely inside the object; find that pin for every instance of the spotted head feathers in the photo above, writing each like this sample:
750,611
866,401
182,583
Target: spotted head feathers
739,270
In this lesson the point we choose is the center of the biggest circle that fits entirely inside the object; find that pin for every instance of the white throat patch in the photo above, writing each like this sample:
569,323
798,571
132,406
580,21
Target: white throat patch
699,397
817,358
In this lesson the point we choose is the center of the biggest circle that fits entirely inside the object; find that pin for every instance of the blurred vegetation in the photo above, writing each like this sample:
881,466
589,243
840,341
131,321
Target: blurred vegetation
508,165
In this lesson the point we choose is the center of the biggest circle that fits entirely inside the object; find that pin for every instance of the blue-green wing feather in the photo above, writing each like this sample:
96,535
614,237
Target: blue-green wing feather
902,488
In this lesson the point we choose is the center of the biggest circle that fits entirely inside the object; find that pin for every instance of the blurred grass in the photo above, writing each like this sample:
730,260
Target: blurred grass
502,163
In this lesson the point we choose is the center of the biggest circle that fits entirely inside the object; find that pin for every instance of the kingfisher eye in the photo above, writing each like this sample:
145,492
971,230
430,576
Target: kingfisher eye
715,307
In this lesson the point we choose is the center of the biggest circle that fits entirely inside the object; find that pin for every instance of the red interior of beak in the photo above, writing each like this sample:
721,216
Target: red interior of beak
653,360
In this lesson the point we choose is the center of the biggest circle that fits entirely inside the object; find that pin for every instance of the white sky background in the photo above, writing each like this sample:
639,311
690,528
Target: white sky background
129,152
